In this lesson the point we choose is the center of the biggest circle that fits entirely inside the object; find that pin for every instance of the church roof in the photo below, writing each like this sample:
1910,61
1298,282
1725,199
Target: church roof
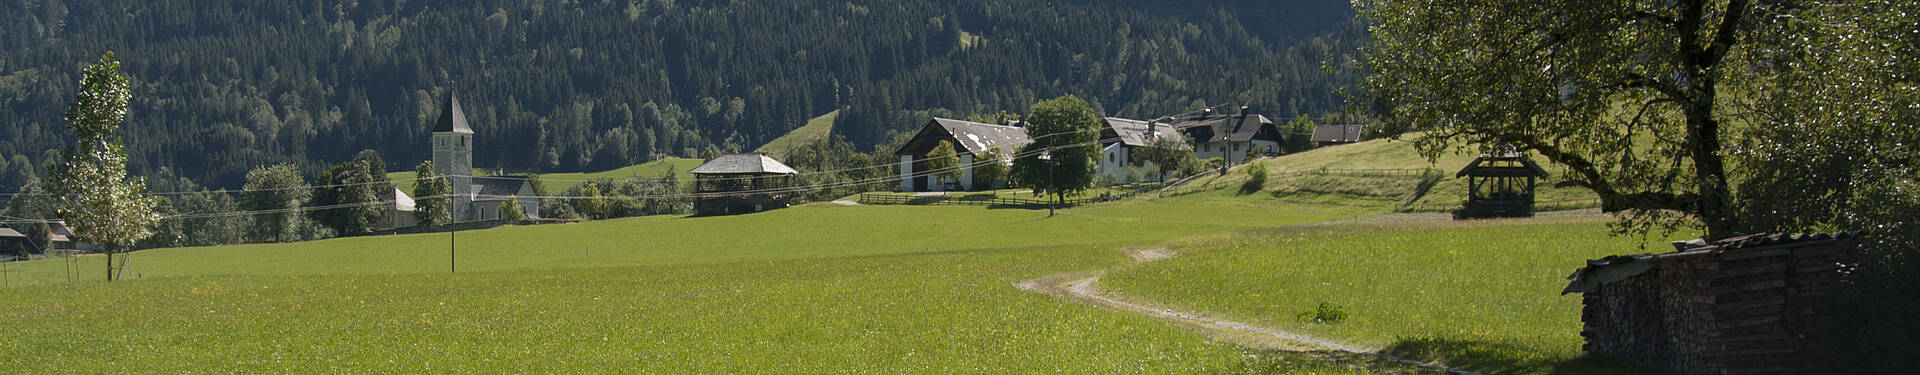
497,188
452,120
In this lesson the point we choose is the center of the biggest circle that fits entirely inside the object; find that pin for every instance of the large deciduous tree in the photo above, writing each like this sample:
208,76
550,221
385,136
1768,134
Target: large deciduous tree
1633,97
101,204
1749,116
275,194
1065,132
344,198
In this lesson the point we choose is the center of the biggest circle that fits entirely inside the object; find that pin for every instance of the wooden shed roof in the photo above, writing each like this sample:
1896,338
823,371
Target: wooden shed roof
1614,268
1490,166
743,164
1338,133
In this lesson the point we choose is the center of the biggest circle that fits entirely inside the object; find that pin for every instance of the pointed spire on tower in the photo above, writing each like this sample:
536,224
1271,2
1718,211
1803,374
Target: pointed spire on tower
452,120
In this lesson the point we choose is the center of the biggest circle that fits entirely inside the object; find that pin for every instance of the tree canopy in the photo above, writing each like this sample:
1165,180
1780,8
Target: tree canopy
1065,149
1640,100
94,194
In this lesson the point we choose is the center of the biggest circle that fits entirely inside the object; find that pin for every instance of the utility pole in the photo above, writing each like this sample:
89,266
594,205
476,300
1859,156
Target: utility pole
1051,184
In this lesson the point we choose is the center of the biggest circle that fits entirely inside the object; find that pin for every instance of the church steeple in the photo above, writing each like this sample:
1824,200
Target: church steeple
453,156
452,120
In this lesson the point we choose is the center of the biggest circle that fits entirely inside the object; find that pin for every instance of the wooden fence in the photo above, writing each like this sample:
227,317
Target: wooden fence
994,200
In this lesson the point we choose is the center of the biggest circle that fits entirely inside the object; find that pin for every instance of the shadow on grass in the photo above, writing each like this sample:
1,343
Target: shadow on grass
1506,358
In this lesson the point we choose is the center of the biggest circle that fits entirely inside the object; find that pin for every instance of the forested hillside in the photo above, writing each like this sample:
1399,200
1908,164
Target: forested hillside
221,87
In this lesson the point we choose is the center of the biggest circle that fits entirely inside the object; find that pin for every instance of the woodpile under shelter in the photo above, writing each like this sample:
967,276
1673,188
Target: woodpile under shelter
741,183
1745,305
1500,186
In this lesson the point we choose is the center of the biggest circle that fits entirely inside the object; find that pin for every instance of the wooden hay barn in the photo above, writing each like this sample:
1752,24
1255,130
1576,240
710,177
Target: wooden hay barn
1500,186
741,183
1745,305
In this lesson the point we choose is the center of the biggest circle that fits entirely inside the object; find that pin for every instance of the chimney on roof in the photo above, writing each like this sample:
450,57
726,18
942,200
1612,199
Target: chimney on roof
1243,111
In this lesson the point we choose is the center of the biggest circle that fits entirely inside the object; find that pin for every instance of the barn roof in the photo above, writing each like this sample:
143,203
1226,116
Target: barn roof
1338,133
452,120
743,164
1238,128
978,137
1136,133
10,233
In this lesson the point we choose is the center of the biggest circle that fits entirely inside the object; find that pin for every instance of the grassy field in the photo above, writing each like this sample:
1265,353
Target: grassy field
557,182
816,129
1479,294
830,288
925,313
818,288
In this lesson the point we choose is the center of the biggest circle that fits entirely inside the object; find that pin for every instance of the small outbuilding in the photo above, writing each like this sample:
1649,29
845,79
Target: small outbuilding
741,183
1329,135
1500,186
1745,305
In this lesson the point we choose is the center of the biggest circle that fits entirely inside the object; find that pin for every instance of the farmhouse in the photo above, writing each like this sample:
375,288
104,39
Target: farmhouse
969,139
453,157
1329,135
741,183
1121,137
1744,305
1230,136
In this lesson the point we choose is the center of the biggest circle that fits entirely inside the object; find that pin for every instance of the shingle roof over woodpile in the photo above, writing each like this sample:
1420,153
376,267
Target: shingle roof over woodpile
743,164
452,120
978,137
1618,267
1502,166
1338,133
1138,133
1238,128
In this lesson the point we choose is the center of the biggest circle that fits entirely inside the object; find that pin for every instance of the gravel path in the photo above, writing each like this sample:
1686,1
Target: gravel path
1082,286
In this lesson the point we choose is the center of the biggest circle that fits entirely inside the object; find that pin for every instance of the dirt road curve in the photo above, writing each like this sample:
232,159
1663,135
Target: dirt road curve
1083,287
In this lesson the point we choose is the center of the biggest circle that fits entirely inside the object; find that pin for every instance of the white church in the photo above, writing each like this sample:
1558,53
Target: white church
475,198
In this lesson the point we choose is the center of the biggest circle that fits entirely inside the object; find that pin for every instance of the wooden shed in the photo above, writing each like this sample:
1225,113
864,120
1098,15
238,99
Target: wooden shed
741,183
1500,186
1745,305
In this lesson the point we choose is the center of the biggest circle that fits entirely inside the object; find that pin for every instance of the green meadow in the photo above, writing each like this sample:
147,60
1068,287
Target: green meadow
1478,294
830,288
815,129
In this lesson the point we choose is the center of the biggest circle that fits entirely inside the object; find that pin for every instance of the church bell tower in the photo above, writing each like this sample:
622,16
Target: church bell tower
453,157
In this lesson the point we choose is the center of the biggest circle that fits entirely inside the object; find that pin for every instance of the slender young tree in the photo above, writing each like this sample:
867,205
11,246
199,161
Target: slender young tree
991,166
944,163
101,204
431,197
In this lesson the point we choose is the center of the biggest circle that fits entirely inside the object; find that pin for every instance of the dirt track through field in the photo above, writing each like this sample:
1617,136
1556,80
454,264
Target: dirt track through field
1082,286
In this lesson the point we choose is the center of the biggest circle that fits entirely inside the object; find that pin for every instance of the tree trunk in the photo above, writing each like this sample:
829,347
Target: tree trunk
109,266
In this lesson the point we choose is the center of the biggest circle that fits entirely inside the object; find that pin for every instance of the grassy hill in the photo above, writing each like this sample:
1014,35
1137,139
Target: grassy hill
556,182
816,129
1386,170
